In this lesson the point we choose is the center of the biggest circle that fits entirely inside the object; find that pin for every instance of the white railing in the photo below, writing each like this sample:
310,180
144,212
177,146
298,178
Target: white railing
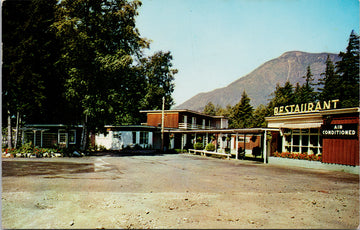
193,126
204,152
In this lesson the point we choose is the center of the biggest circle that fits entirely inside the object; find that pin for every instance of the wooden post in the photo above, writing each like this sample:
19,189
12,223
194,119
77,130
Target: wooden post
16,130
162,124
84,134
182,142
9,139
34,137
265,148
244,145
237,146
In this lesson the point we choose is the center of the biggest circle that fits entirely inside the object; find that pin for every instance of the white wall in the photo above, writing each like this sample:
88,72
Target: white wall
116,140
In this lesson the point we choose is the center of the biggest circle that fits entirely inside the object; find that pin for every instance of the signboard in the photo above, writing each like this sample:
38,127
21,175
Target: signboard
305,108
340,130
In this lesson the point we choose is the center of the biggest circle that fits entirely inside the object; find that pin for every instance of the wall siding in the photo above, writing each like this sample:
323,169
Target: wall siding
171,120
343,151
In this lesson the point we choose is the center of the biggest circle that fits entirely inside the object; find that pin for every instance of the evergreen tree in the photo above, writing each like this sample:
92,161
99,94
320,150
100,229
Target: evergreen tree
348,70
329,83
283,95
226,112
307,92
209,109
259,117
297,93
242,114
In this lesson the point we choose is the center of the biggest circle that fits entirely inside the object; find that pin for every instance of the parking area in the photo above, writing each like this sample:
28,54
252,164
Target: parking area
173,191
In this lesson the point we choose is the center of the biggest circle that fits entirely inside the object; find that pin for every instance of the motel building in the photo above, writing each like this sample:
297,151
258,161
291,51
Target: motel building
317,128
182,129
320,129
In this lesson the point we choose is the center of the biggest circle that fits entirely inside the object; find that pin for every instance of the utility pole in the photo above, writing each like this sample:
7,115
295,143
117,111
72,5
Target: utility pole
162,123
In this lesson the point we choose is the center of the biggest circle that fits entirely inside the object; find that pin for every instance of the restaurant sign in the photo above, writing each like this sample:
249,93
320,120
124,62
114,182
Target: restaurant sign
340,130
306,107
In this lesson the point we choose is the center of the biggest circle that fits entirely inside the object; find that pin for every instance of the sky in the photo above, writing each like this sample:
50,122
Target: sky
215,42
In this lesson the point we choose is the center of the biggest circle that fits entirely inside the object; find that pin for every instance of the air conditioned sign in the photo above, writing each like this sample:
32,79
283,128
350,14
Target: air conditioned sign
340,130
306,107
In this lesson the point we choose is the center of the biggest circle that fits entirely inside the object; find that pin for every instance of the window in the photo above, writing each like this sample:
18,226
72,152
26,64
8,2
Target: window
144,137
72,137
302,141
193,123
134,137
117,134
242,139
62,137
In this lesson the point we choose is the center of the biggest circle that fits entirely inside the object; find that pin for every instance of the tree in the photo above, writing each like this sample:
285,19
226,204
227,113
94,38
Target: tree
259,117
101,55
80,61
159,77
306,92
308,87
329,83
241,116
297,93
348,70
209,109
30,51
283,95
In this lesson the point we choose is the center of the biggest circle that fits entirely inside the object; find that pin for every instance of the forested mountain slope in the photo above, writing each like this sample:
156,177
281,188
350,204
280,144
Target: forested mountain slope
261,82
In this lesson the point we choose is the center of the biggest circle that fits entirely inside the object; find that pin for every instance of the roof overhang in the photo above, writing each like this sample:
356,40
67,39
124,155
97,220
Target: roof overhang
229,131
130,127
44,127
180,111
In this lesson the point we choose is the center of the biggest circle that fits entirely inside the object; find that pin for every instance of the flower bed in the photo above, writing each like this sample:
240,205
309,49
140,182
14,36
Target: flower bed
28,150
299,156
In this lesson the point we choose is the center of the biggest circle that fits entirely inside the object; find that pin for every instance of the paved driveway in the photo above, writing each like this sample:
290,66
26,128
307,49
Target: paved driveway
173,191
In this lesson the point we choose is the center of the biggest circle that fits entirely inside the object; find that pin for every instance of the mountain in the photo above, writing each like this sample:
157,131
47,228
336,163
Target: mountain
261,82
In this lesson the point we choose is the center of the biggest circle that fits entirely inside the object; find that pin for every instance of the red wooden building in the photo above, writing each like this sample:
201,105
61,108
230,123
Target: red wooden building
341,137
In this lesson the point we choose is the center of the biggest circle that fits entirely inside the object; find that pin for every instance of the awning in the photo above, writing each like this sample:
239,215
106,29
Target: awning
301,125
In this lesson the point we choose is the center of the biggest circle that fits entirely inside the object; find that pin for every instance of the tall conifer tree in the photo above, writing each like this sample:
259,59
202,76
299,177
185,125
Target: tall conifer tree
307,93
348,70
242,113
329,83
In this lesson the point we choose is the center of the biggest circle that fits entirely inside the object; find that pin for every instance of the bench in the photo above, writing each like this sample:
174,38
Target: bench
204,152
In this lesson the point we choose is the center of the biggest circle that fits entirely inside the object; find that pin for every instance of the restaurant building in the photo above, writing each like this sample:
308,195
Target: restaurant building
317,128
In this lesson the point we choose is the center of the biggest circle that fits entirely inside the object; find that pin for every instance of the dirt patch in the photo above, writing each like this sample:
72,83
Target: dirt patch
32,168
174,191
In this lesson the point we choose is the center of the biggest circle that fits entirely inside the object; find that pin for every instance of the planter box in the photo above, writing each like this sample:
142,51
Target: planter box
313,165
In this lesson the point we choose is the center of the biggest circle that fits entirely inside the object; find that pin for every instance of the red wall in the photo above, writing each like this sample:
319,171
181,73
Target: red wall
342,150
171,120
255,142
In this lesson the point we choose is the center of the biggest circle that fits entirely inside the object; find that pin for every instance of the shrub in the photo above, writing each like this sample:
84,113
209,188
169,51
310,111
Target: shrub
198,146
210,147
180,151
299,156
137,147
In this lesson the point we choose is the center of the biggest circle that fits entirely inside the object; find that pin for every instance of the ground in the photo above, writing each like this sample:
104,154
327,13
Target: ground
173,191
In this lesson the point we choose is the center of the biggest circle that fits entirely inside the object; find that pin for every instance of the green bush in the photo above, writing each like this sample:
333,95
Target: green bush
198,146
210,147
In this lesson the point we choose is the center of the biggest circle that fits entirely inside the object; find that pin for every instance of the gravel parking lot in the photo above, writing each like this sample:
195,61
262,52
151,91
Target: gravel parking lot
173,191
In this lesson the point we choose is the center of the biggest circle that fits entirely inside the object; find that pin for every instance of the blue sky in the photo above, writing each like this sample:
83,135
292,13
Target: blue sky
215,42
